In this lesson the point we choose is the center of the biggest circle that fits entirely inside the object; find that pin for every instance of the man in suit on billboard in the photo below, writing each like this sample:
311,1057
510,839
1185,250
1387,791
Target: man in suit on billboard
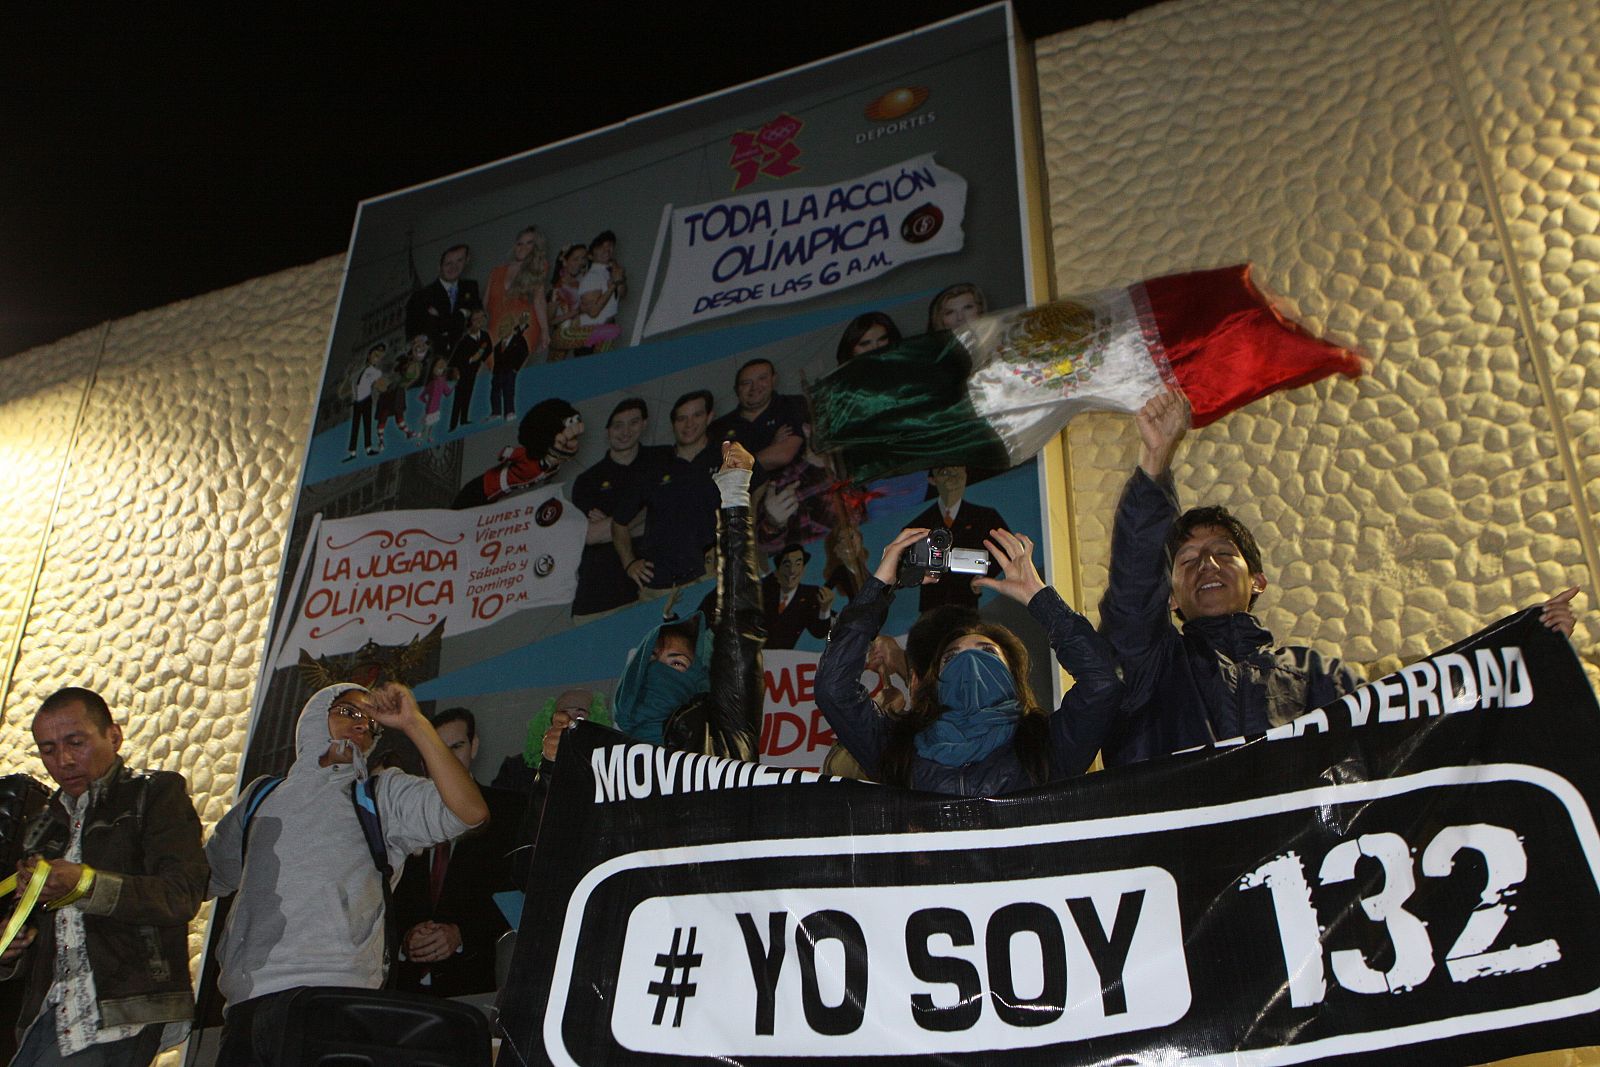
442,308
444,905
792,607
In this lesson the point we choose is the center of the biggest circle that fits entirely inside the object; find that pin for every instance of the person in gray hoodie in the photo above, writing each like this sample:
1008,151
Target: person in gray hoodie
309,904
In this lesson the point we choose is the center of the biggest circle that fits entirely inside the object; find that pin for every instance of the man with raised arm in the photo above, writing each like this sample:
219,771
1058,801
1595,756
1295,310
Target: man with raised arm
688,687
311,903
1218,673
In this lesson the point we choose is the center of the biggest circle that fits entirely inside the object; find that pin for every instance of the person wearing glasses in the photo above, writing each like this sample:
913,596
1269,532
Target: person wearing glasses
309,908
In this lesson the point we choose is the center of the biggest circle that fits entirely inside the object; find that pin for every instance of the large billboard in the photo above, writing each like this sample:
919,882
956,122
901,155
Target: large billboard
501,495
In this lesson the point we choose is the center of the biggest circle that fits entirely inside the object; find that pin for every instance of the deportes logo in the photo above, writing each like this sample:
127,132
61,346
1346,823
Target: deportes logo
896,102
895,112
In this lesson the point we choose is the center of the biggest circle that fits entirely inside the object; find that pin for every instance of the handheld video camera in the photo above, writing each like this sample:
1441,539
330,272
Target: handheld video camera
23,831
934,555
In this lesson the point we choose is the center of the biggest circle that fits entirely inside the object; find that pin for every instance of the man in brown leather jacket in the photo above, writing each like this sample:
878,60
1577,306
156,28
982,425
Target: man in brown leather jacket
106,958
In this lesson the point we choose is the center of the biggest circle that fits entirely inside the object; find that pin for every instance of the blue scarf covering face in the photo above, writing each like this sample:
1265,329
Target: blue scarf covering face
981,710
665,691
649,692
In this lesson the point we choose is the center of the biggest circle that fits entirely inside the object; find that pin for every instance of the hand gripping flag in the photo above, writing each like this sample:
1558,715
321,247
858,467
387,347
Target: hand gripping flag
993,393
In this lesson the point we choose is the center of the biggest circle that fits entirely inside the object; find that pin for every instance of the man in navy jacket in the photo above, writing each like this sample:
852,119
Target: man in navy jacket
1223,674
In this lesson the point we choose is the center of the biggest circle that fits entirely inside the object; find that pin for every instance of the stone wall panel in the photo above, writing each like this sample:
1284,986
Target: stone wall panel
40,394
1328,145
162,563
1531,80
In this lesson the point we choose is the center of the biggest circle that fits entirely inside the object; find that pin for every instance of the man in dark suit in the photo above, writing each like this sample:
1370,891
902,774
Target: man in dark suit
968,524
792,608
444,904
442,308
466,359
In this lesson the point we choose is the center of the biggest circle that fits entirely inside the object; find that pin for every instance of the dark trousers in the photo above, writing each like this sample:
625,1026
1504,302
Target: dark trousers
361,420
503,393
253,1031
461,410
40,1049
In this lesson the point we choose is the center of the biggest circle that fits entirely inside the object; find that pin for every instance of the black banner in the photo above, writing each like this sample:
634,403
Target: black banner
1415,865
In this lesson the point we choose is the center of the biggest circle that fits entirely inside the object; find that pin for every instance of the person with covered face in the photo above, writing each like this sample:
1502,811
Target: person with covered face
696,684
973,726
309,904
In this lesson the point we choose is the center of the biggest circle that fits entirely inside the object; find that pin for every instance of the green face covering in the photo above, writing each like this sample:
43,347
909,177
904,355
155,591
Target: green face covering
665,690
649,692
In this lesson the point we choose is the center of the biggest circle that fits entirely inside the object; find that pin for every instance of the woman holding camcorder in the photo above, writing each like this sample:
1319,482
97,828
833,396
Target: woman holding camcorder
973,726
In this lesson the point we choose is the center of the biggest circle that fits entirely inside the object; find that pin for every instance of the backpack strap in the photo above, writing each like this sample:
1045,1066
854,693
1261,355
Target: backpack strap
364,794
364,798
259,791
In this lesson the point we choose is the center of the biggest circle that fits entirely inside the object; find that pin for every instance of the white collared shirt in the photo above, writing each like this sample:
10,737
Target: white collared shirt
72,995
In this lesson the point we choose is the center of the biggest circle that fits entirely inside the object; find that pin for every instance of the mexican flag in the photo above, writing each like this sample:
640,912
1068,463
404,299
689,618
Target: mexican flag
995,392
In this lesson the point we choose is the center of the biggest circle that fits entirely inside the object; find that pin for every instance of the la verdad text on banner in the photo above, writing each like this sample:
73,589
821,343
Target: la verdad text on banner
1415,868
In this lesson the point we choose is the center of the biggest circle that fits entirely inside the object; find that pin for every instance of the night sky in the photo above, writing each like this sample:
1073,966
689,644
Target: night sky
146,157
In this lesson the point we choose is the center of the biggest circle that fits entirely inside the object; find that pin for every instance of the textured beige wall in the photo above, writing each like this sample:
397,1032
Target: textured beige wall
175,438
1420,180
1414,179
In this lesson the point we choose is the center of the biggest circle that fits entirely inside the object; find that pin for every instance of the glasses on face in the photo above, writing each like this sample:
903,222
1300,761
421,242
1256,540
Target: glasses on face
358,717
